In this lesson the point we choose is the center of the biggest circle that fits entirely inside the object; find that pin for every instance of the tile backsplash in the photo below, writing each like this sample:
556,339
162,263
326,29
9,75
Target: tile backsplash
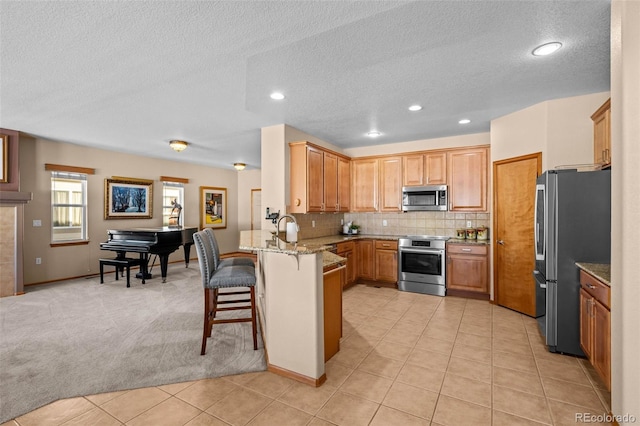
410,223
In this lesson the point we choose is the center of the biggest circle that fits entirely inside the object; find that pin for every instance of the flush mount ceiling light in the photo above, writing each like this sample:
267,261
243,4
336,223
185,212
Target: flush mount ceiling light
277,96
178,146
415,108
464,121
239,166
374,134
546,49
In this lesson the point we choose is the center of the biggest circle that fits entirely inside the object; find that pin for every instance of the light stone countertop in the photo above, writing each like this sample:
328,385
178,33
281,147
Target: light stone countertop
334,239
601,271
263,240
464,241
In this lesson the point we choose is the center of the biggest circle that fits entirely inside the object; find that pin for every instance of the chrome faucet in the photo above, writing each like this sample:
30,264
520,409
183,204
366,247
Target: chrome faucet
282,217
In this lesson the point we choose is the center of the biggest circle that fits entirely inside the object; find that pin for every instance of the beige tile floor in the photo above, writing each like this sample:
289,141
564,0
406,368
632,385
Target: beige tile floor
405,359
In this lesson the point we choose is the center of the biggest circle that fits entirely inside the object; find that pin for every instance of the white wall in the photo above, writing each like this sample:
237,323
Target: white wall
247,180
419,145
625,199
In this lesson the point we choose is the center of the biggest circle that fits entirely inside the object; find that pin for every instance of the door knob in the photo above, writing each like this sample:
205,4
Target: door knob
501,242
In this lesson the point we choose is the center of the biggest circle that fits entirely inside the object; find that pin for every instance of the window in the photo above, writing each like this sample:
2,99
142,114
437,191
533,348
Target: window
68,207
172,197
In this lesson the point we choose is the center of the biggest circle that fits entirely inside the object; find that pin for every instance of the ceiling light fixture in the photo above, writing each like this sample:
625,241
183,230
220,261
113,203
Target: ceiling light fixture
239,166
415,108
374,134
277,96
178,146
464,121
546,49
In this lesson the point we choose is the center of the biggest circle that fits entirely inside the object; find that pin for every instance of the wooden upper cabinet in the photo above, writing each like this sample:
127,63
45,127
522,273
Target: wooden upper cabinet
424,169
364,185
344,184
315,178
390,184
330,203
602,134
467,179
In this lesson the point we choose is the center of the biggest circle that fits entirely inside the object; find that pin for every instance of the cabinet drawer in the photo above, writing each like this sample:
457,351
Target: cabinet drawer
600,291
480,249
386,245
345,247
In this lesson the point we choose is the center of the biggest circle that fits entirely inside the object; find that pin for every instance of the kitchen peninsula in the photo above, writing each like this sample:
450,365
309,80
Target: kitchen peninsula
291,303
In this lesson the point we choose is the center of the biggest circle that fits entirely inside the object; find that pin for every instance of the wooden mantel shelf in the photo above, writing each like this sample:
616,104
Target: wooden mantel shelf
15,197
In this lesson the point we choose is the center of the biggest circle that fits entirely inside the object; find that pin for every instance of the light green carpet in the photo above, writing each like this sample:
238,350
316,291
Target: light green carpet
79,337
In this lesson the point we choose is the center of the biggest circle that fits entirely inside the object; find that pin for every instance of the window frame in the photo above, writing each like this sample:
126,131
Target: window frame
79,178
166,209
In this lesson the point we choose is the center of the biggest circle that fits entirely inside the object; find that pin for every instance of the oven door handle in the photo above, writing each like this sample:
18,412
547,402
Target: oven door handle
421,251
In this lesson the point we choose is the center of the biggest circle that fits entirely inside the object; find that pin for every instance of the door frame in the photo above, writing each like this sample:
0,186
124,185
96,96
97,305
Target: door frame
494,255
253,191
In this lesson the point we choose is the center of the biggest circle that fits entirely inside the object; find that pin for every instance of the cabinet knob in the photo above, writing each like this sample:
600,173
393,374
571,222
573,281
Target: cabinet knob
297,202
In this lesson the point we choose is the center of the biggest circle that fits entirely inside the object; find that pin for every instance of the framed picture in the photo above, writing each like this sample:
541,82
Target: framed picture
213,207
4,161
128,198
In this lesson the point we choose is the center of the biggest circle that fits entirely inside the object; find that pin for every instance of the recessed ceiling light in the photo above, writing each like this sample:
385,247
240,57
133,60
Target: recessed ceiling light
277,96
546,49
415,108
464,121
373,134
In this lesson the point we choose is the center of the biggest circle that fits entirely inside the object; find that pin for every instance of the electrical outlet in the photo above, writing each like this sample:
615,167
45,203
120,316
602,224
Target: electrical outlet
38,260
384,222
37,222
341,221
468,224
313,223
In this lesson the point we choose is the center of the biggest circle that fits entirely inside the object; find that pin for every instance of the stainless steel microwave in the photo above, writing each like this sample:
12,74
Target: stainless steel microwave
430,197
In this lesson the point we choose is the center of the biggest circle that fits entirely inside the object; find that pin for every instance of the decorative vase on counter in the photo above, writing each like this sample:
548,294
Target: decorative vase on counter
345,229
482,233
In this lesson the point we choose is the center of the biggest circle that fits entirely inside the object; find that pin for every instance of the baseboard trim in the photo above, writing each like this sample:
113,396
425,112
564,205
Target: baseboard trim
297,376
468,294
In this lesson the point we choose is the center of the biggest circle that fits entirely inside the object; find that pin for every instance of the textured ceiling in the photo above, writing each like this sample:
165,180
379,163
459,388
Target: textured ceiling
130,76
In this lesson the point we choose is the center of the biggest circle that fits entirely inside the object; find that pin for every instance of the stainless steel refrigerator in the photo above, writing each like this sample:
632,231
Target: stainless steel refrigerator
573,224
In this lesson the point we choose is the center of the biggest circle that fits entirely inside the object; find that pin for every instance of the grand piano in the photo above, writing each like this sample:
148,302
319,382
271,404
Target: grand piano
147,241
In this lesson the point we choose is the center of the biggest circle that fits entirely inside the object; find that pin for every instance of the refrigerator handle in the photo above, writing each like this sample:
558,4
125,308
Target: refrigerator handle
536,224
542,284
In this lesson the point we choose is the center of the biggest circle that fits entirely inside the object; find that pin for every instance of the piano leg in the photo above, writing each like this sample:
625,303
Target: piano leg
187,250
164,263
144,267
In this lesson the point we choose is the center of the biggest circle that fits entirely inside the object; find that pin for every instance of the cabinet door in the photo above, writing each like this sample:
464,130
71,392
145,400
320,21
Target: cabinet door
585,323
435,166
315,175
413,170
364,185
602,134
366,259
390,184
351,268
333,282
330,182
601,355
467,171
344,184
386,265
467,272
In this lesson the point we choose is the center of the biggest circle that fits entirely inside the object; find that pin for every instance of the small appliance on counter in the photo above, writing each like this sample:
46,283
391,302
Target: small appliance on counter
482,233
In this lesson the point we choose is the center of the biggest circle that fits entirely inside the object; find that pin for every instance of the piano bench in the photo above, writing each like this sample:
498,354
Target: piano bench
120,265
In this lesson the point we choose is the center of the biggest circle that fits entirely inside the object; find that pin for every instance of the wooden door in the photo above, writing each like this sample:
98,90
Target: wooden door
386,265
344,184
413,170
602,341
467,171
514,191
585,323
330,182
435,169
364,185
390,184
256,209
365,259
315,175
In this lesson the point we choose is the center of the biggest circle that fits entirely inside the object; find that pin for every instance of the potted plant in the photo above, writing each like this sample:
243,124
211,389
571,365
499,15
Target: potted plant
354,228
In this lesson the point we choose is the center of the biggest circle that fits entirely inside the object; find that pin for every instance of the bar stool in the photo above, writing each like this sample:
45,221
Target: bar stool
214,279
231,261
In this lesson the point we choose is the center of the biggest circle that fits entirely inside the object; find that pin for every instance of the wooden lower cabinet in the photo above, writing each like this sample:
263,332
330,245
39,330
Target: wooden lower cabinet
595,324
348,250
333,283
386,261
468,268
365,259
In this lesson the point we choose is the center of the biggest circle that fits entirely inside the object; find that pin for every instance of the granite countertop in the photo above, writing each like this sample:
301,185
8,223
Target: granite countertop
334,239
263,240
330,259
463,241
601,271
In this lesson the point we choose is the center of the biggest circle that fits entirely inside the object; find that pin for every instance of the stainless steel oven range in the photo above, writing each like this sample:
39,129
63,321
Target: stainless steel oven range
421,264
